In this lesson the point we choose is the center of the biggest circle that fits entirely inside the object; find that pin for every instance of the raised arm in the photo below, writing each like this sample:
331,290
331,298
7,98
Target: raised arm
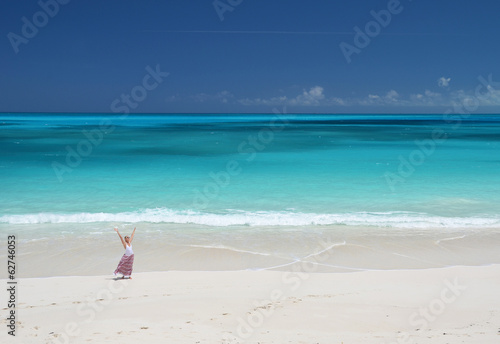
132,236
123,241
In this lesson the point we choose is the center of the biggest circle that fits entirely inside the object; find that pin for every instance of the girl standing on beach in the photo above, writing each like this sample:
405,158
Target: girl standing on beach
127,261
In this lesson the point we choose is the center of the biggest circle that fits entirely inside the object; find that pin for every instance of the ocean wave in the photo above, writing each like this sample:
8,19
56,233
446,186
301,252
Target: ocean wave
261,218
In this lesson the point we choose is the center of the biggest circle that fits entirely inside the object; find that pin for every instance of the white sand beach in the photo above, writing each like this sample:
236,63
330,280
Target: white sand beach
301,287
443,305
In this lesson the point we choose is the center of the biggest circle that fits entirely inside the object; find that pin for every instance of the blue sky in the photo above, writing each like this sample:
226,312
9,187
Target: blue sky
250,56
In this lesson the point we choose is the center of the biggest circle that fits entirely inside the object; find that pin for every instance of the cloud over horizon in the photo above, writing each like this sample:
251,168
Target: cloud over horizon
316,97
313,97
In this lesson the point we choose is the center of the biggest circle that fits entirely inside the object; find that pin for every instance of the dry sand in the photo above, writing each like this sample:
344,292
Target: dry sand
441,305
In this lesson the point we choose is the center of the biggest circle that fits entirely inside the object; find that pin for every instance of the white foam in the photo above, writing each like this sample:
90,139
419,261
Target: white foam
261,218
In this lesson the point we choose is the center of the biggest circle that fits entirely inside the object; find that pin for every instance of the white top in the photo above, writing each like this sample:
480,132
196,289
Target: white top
128,250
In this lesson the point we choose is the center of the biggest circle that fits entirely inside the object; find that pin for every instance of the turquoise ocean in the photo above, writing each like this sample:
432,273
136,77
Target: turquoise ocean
83,174
217,170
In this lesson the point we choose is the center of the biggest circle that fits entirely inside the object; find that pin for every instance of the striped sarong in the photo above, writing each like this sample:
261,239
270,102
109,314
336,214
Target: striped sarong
125,266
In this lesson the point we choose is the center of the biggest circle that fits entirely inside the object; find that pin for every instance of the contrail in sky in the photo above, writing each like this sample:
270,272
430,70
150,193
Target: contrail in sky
337,33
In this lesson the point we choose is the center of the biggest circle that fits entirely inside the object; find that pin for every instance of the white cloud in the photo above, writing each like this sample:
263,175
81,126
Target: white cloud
392,96
338,101
260,101
427,98
443,82
493,96
313,97
488,96
432,94
222,96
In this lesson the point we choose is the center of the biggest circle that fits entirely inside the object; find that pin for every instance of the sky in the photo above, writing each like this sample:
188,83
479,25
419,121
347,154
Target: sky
250,56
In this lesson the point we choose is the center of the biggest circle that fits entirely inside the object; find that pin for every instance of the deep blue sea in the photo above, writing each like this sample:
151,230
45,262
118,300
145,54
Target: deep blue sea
412,171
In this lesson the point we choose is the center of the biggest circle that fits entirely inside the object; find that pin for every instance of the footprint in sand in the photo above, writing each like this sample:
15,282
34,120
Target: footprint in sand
294,299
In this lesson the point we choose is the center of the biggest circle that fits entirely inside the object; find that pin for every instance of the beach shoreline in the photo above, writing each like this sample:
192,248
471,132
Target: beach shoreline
89,250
